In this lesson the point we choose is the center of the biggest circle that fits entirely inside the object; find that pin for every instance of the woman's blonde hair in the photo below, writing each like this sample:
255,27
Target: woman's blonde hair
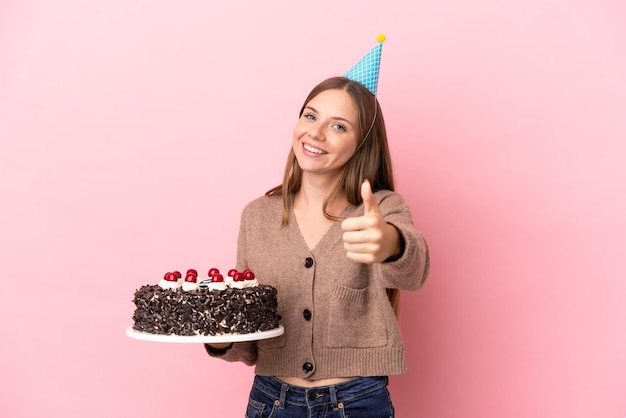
371,159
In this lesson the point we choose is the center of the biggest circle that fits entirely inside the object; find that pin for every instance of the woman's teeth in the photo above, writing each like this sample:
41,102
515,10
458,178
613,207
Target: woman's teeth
314,150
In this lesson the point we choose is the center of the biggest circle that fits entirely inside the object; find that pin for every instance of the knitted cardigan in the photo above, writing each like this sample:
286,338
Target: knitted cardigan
337,316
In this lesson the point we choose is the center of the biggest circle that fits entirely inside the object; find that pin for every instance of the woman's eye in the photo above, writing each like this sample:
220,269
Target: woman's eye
309,116
339,127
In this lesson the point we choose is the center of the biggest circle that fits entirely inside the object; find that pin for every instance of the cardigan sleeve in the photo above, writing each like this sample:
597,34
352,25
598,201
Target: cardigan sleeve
245,352
409,271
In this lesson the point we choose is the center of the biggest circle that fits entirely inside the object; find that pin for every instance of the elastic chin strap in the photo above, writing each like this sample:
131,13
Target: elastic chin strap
370,129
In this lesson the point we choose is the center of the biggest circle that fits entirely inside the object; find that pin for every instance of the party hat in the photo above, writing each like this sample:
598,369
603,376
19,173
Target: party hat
366,70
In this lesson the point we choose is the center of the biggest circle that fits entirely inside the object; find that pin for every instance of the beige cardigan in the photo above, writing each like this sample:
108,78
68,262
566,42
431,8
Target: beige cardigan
337,317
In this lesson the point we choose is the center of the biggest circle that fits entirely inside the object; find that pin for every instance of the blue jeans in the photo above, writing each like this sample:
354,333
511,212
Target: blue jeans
363,397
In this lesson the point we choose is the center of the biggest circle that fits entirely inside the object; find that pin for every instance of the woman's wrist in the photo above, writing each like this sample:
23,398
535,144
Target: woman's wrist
397,246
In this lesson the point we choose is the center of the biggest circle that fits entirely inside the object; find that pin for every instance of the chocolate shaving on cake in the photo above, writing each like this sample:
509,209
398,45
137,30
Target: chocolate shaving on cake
204,311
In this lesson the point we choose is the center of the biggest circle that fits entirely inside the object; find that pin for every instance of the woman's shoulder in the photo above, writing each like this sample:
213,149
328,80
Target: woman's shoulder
390,202
388,196
264,204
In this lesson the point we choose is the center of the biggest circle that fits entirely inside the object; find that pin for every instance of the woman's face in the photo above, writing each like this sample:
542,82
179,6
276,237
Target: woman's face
325,136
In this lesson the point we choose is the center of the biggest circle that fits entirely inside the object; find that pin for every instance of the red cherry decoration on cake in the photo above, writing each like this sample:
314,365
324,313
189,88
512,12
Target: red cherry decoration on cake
217,277
178,275
190,278
193,272
213,272
170,277
238,277
231,272
248,274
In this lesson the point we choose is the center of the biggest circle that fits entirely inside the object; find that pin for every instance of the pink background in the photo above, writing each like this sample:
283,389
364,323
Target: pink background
133,132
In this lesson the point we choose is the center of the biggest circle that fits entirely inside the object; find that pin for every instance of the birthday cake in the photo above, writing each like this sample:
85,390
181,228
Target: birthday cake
237,304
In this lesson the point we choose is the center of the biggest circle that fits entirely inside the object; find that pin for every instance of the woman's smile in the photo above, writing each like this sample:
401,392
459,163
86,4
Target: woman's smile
313,150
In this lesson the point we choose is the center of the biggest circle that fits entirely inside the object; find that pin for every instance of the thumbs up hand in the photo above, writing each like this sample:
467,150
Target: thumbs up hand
369,239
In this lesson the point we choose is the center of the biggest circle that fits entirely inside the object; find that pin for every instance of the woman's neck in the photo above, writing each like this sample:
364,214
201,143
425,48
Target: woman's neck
313,192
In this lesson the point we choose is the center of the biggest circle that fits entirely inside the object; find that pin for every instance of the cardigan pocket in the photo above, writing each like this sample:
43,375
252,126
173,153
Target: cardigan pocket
355,319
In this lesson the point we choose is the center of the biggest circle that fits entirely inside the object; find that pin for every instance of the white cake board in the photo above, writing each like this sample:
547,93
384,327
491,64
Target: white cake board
226,338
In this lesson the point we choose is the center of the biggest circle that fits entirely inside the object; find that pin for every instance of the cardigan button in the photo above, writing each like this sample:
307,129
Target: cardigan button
307,314
307,367
308,262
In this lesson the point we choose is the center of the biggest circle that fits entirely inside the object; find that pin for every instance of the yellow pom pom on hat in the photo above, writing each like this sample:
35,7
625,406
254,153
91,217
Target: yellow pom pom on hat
367,69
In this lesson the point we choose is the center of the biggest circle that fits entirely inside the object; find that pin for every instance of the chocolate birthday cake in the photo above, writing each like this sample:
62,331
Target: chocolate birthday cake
212,306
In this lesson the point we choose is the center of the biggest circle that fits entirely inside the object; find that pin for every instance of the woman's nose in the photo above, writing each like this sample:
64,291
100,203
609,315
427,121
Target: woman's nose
316,133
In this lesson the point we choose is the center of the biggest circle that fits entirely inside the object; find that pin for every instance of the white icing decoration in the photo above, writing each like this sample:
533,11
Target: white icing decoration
218,286
187,286
165,284
244,284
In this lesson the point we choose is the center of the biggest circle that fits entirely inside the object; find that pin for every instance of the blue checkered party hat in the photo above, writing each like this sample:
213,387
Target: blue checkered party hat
366,70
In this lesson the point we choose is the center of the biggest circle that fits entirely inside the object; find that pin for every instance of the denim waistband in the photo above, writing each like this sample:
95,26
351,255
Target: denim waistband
311,397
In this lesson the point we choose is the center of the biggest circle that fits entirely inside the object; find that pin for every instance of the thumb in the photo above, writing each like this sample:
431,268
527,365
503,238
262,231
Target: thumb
369,203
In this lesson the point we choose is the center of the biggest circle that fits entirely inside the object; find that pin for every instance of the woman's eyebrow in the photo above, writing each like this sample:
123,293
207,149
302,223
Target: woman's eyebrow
332,117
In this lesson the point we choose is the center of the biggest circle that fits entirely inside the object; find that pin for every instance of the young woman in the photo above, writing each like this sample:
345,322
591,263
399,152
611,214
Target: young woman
337,242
